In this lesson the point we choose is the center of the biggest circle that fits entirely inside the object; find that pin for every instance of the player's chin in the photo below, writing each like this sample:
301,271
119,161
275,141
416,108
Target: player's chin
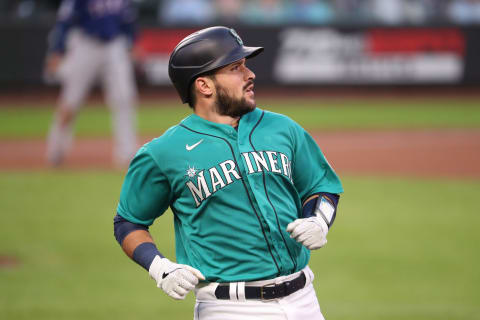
250,105
250,99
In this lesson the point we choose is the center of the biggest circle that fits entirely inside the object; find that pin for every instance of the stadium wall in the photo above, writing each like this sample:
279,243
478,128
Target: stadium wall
294,56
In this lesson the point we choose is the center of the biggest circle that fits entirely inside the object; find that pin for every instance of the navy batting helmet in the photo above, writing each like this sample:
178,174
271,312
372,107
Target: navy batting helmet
204,51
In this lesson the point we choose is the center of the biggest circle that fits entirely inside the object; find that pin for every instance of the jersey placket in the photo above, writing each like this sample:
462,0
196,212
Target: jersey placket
256,187
253,187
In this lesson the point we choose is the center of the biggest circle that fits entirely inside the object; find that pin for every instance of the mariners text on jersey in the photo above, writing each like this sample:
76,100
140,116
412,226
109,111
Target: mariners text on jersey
255,162
213,177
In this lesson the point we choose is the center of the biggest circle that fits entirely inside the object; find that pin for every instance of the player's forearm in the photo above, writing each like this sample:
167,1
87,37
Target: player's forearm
67,16
175,279
57,38
135,241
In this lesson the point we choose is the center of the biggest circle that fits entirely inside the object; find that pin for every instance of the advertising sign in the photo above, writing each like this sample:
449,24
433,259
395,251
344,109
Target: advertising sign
153,48
374,56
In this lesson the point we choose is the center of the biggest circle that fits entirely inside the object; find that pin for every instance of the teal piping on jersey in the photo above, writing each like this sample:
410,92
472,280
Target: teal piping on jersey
268,198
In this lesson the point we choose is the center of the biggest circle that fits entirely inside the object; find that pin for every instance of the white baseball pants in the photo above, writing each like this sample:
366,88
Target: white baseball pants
87,61
300,305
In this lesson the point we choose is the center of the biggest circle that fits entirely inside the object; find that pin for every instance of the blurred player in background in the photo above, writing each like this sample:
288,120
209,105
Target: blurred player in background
91,42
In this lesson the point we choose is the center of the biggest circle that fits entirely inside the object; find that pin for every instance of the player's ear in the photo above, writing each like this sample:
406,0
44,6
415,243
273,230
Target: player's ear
204,86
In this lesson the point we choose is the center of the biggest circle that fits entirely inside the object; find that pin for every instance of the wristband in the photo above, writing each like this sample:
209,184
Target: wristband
145,253
324,209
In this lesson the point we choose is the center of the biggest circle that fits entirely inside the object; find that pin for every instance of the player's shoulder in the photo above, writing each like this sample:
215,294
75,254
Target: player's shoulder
170,140
279,119
165,140
275,116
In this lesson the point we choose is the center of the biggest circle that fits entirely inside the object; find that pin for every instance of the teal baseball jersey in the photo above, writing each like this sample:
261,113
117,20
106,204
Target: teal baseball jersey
232,192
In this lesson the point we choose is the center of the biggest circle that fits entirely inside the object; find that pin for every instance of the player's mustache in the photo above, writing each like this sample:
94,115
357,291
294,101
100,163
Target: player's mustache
249,83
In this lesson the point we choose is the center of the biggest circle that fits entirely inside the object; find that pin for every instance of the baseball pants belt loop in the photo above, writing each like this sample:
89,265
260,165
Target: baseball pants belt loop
266,292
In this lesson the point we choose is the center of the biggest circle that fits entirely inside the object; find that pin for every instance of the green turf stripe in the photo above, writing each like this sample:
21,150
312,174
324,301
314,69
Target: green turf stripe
154,118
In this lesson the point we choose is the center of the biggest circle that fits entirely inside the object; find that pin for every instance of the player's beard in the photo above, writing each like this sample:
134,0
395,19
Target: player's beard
227,105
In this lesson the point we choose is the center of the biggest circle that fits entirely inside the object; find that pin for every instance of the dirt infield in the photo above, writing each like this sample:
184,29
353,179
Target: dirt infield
426,153
432,153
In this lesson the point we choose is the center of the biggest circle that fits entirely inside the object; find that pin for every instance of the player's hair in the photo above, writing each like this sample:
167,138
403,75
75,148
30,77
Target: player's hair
192,95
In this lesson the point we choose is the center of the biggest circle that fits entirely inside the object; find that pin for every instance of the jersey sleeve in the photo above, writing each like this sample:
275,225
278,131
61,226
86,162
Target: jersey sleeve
145,192
65,20
311,172
128,27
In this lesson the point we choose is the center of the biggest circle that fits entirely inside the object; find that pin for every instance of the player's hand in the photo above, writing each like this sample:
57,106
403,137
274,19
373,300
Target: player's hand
311,232
52,63
175,279
51,68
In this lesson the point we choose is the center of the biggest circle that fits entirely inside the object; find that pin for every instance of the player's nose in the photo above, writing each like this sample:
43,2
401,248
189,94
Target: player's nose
249,74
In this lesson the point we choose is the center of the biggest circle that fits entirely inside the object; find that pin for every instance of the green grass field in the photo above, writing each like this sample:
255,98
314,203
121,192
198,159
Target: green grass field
410,253
399,249
154,118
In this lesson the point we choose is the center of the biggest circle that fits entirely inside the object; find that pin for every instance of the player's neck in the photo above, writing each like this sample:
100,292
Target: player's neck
211,115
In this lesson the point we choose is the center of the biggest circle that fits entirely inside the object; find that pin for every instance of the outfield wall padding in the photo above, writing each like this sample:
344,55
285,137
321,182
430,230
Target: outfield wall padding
293,56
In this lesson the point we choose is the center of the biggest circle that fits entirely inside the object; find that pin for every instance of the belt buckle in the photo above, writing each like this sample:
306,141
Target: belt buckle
272,285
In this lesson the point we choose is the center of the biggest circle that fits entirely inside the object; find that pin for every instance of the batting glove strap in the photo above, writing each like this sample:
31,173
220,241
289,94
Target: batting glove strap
325,210
176,280
311,232
325,206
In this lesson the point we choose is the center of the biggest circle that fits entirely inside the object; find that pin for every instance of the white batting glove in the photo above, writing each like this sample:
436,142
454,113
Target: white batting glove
175,279
311,232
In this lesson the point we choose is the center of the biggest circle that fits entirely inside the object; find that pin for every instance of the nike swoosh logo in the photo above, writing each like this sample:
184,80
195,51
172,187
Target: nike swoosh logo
164,275
190,148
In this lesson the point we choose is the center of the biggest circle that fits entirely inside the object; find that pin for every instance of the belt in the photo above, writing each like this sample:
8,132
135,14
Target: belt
266,292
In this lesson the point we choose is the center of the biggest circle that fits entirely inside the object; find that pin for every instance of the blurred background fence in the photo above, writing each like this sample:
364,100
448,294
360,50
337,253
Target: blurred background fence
308,42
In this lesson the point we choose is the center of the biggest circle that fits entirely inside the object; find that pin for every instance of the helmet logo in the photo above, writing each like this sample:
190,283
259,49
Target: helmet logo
236,36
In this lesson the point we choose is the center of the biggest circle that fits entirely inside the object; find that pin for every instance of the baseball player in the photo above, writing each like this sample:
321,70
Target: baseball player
250,191
91,42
